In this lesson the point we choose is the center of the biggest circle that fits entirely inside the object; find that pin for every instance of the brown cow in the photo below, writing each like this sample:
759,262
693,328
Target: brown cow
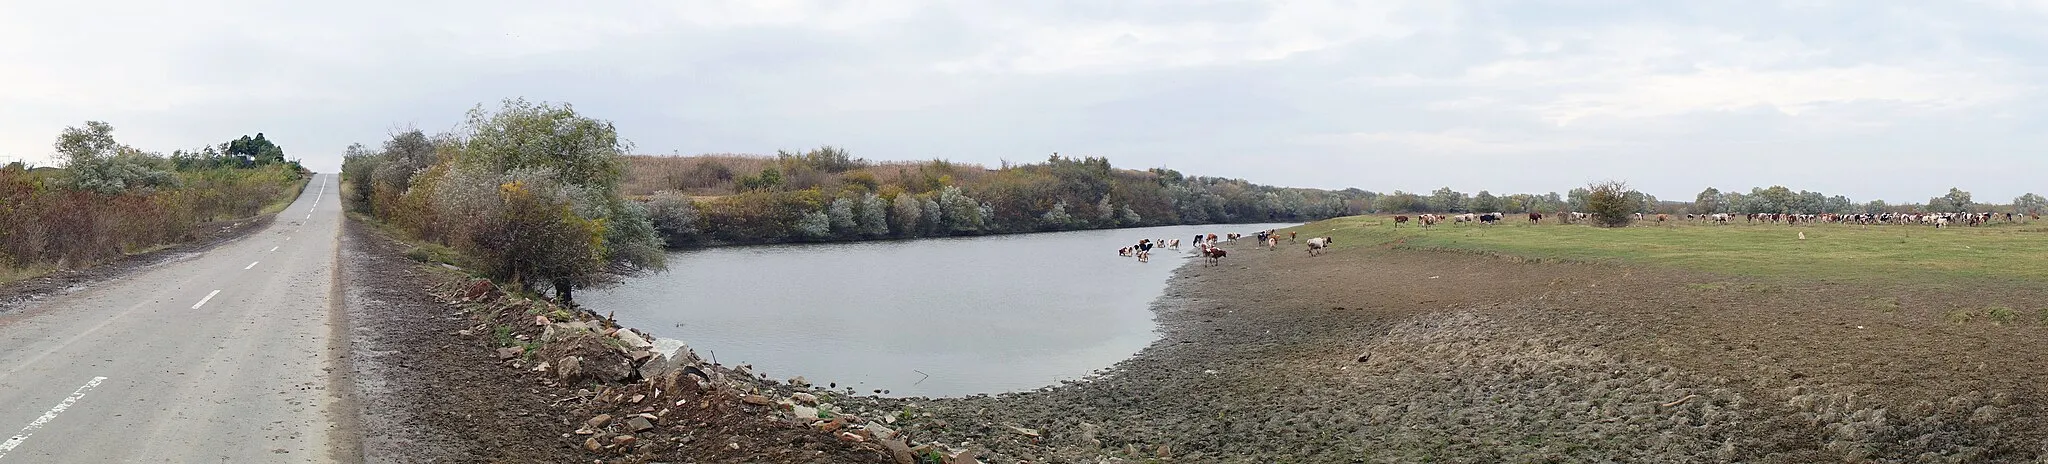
1399,220
1536,218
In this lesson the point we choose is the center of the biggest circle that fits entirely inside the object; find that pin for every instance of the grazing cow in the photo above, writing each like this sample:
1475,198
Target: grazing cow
1399,220
1316,245
1290,237
1272,242
1663,217
1464,218
1212,255
1174,244
1429,219
1489,218
1536,218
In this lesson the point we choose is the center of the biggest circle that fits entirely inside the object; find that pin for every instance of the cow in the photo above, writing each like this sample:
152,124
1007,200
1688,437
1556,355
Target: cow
1489,218
1316,245
1212,255
1174,244
1535,218
1399,220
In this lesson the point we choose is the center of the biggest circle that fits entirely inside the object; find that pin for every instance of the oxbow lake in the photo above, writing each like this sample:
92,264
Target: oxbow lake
978,314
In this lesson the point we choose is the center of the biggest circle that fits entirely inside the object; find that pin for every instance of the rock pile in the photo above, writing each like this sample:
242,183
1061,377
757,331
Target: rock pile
644,405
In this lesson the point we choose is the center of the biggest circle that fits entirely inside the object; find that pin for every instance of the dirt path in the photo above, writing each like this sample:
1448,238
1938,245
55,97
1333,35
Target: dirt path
1370,354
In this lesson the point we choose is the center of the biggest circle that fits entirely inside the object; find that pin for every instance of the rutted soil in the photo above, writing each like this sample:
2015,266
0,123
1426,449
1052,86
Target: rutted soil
63,281
1371,354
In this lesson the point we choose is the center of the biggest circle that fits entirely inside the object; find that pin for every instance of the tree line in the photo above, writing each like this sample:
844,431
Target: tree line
105,199
1778,199
827,194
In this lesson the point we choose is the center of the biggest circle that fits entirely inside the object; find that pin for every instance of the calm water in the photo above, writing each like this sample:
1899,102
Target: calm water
979,315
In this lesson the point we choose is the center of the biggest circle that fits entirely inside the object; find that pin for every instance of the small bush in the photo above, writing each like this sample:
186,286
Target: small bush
1610,205
2001,314
1961,316
1886,304
1707,287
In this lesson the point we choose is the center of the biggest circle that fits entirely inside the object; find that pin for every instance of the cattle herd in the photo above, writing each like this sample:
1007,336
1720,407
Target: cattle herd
1927,219
1205,245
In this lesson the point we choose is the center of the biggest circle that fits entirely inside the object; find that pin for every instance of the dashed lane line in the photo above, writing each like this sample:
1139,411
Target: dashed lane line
47,416
209,297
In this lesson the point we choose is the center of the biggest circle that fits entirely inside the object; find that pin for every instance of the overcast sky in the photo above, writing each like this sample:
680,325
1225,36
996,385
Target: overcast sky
1896,100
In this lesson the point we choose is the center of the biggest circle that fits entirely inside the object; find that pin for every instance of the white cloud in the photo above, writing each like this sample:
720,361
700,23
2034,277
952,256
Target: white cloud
1036,46
1526,87
1458,142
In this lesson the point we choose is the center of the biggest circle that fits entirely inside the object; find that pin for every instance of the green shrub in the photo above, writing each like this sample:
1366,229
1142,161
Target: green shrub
1610,205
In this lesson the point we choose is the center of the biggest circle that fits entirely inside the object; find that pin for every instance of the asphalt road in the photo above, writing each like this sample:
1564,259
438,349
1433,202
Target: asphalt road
223,356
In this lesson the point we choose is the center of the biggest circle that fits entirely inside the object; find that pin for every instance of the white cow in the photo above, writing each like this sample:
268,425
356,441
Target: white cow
1316,245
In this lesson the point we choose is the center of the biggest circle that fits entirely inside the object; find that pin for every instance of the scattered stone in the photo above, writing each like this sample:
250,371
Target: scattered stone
641,356
540,320
598,422
510,352
732,446
900,451
799,381
1033,433
757,400
636,399
966,456
591,444
465,332
1088,432
568,367
639,424
879,431
633,340
804,413
805,398
831,425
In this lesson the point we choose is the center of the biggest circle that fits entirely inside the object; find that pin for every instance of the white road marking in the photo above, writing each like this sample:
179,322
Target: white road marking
11,443
209,296
252,265
309,215
273,248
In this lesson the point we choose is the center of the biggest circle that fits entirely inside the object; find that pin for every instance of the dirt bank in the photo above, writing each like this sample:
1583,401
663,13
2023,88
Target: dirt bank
204,237
1371,354
449,370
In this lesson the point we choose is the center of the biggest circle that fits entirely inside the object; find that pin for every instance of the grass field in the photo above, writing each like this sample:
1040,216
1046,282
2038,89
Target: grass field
1889,253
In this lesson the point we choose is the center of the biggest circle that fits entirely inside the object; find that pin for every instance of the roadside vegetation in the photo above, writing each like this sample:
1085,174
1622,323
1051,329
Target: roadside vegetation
527,194
106,200
827,194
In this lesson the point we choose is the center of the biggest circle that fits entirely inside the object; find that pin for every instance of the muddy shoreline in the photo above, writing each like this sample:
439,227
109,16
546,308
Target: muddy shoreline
1365,354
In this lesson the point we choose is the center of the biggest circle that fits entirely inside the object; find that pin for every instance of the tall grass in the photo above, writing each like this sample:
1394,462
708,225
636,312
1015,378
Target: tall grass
44,226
